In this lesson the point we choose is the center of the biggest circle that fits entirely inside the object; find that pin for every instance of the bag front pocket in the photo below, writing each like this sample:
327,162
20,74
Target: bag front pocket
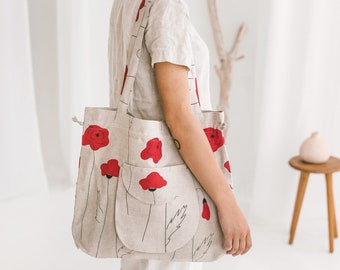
157,208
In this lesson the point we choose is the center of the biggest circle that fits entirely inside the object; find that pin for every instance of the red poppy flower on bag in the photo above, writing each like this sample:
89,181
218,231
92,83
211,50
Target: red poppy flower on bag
152,150
96,137
152,182
111,168
205,210
215,138
142,4
227,166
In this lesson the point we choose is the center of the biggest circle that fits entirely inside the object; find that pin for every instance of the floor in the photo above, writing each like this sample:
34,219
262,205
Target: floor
35,233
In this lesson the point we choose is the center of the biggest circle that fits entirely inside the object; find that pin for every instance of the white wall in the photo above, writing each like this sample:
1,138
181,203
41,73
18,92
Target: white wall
44,48
21,163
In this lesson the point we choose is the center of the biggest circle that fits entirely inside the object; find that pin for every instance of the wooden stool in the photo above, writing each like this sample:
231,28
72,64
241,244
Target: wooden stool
329,167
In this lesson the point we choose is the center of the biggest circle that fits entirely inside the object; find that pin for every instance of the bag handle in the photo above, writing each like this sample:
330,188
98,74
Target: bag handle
131,69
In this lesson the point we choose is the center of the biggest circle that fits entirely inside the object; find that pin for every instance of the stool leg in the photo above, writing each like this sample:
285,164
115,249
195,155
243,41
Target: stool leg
335,223
298,203
331,212
334,220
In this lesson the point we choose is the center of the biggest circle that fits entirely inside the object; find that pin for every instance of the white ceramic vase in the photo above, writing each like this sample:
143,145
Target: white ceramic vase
315,149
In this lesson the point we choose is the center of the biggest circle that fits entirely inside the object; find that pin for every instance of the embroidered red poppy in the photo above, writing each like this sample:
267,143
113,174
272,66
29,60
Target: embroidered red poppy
111,168
142,4
152,150
215,138
152,182
205,210
96,137
227,166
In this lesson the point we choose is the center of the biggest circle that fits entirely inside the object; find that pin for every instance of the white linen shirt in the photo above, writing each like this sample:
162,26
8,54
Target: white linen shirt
169,37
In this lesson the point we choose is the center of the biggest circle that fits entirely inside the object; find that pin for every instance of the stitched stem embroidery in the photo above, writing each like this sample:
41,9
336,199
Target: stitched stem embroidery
151,183
96,137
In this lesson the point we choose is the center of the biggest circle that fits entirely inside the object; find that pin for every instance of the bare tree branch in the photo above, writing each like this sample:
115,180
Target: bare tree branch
227,58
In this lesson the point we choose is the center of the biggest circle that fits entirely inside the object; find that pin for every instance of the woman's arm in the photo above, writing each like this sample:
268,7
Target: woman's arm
172,82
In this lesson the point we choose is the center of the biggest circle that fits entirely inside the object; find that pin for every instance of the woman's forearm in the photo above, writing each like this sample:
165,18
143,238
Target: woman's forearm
194,147
197,154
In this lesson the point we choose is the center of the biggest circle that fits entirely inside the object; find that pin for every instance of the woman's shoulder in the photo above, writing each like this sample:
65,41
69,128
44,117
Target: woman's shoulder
170,4
170,9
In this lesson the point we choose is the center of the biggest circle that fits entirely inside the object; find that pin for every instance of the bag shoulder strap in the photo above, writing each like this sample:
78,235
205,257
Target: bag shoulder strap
133,55
133,59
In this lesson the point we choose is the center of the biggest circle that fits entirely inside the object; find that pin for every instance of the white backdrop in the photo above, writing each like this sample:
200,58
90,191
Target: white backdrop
285,88
21,166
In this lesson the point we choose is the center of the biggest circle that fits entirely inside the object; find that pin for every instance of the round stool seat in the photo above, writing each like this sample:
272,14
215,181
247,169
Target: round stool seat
331,166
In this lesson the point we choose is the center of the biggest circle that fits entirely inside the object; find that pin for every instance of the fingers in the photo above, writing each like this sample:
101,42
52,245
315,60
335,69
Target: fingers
235,248
249,244
242,247
238,246
228,244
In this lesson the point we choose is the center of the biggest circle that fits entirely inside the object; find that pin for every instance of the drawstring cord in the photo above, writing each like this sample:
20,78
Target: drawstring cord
75,120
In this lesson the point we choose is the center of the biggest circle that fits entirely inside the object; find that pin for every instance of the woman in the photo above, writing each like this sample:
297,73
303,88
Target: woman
161,93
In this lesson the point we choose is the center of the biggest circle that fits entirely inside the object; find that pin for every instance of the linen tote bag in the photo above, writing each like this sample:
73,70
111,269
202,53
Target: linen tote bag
135,196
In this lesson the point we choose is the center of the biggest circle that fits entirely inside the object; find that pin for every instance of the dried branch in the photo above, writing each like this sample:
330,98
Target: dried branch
227,58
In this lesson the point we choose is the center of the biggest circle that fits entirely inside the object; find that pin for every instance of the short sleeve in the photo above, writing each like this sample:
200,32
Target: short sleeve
168,34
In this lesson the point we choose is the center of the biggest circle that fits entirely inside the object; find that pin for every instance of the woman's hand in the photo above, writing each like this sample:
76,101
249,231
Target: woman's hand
237,237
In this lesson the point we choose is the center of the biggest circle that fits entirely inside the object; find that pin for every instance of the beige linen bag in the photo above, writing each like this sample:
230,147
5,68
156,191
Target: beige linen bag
135,196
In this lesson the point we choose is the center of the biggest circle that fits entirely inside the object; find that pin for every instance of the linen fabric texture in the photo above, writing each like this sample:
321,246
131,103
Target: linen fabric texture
169,37
135,196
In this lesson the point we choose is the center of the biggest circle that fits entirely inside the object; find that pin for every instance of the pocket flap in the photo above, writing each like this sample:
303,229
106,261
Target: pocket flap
157,185
156,210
